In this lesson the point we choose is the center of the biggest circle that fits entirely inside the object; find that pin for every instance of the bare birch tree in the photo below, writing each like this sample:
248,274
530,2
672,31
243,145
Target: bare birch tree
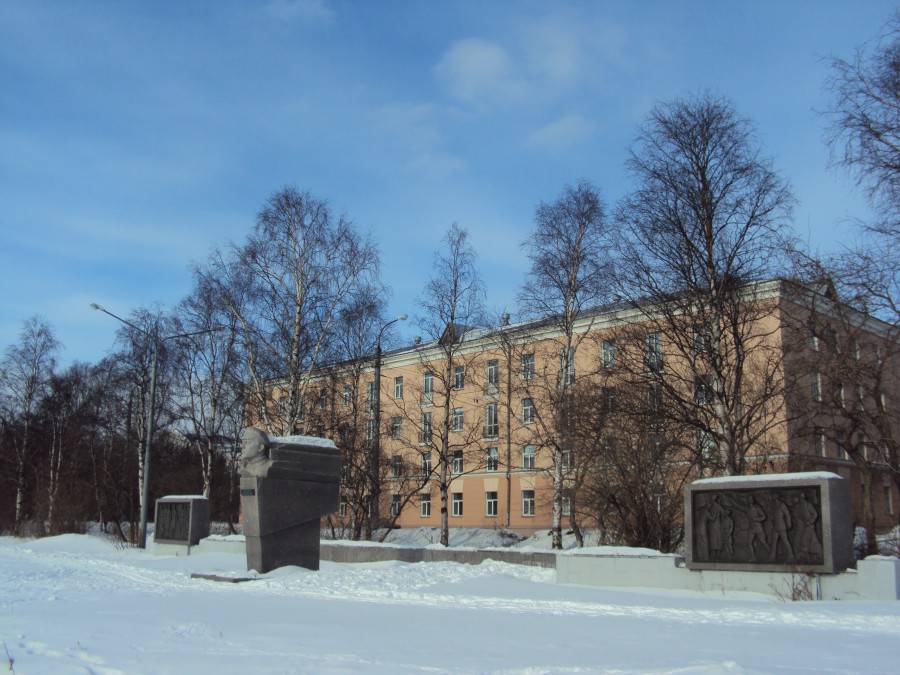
451,305
208,374
286,286
569,250
24,379
703,224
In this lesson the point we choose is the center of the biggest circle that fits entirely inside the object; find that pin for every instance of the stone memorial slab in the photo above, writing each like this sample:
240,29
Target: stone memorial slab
287,485
181,520
778,522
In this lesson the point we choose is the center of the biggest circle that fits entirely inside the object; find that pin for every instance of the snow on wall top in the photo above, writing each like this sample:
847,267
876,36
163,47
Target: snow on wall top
303,440
773,477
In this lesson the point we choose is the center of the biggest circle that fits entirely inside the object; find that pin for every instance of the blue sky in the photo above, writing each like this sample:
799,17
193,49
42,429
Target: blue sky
135,135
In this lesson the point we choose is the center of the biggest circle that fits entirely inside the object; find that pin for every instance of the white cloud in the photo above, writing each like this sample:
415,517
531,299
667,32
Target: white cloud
480,72
561,134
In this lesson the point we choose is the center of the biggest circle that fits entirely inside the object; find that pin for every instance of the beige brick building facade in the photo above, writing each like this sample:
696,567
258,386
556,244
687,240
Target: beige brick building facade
491,415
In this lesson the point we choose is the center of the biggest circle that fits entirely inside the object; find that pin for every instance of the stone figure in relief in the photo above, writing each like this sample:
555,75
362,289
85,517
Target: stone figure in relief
715,537
805,516
728,533
701,522
255,447
757,532
782,524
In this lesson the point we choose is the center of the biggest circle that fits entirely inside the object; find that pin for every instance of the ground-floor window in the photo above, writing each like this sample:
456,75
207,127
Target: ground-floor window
527,502
395,506
457,503
425,506
490,503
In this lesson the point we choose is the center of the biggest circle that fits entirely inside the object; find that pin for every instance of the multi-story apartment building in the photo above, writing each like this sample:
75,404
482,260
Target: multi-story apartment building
631,415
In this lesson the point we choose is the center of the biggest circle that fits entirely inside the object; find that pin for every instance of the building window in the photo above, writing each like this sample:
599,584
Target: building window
457,419
425,506
812,338
528,457
493,377
566,457
840,440
703,390
490,504
395,506
608,397
527,502
567,505
653,355
425,433
608,354
344,433
855,350
888,501
426,463
370,397
397,466
396,427
567,365
457,461
342,508
702,339
860,398
459,377
457,502
282,405
347,396
491,425
705,445
527,366
815,381
839,394
527,411
370,431
492,459
398,387
819,442
428,388
323,399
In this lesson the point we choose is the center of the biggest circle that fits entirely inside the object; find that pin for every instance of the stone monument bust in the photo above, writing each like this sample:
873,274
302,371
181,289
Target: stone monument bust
255,451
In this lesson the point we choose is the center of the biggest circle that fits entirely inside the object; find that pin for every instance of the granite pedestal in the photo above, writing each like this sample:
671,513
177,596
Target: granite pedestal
285,489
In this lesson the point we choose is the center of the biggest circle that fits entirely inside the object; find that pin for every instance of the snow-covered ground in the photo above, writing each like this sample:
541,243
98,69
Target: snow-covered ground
79,604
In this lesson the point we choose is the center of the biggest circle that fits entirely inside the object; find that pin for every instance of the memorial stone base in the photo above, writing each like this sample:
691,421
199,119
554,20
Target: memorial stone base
283,495
800,522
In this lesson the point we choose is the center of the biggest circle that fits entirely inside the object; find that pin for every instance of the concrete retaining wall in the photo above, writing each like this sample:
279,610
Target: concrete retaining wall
875,578
360,553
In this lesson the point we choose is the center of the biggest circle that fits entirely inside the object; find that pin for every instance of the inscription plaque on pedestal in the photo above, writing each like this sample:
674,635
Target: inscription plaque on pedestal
779,522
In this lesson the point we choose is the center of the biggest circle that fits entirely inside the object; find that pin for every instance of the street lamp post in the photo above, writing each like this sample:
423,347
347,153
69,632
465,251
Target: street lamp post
155,340
375,458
